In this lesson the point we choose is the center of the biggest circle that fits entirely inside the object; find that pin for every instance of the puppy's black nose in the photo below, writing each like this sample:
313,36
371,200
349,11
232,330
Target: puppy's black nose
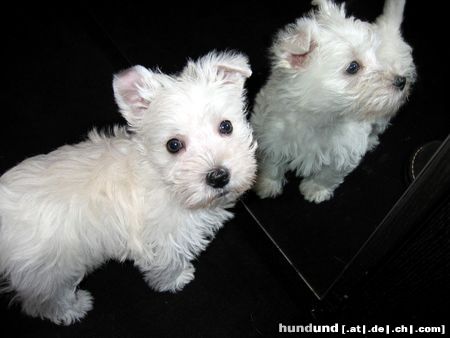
218,177
400,82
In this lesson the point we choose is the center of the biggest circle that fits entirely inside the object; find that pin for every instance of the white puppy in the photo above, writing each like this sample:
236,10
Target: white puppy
155,195
335,84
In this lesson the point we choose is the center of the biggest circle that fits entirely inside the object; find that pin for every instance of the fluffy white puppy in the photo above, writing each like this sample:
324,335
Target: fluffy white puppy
334,85
155,194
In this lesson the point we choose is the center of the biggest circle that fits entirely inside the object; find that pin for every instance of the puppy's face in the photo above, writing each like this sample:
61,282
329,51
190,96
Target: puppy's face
192,127
350,66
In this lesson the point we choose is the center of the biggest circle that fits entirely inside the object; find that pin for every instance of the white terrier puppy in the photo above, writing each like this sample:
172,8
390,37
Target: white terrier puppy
155,195
335,84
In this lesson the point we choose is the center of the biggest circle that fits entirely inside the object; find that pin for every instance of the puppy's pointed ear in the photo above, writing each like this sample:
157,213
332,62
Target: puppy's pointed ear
294,44
233,68
227,67
134,90
392,15
329,8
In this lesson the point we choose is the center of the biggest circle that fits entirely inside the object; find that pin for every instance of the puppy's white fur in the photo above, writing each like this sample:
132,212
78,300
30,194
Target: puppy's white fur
124,196
313,117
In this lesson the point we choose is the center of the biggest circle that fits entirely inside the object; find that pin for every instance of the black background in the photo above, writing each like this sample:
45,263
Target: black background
58,64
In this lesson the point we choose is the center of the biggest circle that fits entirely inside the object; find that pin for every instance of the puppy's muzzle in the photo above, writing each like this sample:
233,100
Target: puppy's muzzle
218,177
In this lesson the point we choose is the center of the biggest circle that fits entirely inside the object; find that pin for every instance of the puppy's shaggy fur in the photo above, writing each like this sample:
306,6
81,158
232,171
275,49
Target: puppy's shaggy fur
155,195
334,85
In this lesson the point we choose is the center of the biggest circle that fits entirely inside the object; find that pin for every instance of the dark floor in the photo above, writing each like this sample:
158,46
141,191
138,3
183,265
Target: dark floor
58,65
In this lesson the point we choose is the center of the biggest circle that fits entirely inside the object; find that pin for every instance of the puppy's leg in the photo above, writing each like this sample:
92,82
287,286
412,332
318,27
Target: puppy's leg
378,128
320,186
372,142
58,301
169,276
270,180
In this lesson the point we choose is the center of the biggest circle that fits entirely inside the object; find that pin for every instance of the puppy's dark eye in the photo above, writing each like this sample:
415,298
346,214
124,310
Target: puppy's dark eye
174,145
353,67
225,127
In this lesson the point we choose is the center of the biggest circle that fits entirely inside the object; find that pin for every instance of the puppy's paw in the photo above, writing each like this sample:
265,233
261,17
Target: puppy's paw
179,282
72,309
314,192
372,142
267,187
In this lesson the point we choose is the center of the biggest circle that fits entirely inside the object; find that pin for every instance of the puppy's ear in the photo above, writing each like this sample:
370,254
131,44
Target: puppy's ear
227,67
134,90
329,8
233,68
392,15
294,44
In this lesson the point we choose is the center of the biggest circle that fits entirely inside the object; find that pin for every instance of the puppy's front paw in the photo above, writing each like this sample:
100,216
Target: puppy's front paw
79,308
179,282
314,192
66,310
267,187
372,142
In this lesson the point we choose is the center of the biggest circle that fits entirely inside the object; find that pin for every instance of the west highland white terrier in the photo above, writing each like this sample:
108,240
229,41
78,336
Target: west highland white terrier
155,195
334,85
